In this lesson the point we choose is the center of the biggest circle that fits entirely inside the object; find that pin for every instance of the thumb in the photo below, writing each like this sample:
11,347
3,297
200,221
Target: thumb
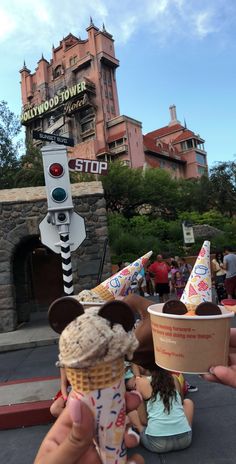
83,420
78,446
226,375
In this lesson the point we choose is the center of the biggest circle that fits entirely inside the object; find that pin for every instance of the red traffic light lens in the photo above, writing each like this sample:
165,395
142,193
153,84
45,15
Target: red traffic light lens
56,170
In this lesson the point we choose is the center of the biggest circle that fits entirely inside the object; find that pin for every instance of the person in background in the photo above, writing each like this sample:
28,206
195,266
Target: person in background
218,275
229,264
150,286
179,284
185,269
174,267
160,269
167,424
142,281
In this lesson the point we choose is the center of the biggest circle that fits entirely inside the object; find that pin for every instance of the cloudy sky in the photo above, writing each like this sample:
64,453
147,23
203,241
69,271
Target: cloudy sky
178,52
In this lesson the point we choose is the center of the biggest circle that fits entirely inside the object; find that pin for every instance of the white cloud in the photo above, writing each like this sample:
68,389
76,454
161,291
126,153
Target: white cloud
39,24
204,23
7,24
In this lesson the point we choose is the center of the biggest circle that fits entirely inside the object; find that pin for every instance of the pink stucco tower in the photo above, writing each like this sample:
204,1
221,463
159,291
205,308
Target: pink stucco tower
75,95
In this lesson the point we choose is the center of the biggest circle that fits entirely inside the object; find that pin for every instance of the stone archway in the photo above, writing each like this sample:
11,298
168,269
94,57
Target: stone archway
37,277
30,274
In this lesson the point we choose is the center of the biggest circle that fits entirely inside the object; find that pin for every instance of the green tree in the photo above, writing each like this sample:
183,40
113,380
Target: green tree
123,189
223,181
9,129
161,192
30,173
126,190
194,194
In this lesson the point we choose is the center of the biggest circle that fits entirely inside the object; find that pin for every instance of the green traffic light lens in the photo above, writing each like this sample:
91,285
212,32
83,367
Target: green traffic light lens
59,195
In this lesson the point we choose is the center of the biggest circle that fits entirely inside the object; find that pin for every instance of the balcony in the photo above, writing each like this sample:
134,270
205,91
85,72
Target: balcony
119,149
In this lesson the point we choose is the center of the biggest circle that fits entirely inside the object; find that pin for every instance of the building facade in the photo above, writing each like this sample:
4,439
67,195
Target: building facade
176,149
75,95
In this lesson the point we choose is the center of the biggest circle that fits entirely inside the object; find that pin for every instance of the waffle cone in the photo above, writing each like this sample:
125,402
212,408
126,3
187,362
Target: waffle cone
101,376
119,284
103,293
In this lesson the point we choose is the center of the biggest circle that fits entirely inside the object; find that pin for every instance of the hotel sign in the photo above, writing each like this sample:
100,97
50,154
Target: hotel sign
73,106
48,105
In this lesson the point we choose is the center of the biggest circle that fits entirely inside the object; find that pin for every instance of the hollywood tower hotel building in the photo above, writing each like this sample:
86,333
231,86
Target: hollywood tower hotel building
75,95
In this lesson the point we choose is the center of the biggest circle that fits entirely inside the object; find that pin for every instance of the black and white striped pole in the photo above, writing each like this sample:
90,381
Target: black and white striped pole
66,263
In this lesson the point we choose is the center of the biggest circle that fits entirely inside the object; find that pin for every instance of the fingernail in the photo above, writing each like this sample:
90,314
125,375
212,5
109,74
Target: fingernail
211,370
75,410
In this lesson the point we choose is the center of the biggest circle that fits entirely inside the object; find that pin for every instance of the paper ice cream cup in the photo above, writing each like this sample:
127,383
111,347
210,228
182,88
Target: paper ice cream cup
190,344
120,283
198,288
97,377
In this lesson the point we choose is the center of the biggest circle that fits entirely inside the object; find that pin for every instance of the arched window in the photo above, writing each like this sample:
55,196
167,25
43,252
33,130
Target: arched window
58,71
159,144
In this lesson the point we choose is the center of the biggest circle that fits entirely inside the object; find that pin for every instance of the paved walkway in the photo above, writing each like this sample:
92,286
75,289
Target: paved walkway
32,334
26,401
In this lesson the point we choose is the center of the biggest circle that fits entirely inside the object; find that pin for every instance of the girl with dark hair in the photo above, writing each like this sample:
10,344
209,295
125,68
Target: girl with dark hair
166,422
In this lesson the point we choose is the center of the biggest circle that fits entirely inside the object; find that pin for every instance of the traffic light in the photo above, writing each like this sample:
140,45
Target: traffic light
57,181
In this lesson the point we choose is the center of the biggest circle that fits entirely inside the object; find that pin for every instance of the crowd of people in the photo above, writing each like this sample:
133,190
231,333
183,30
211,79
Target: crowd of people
167,278
224,274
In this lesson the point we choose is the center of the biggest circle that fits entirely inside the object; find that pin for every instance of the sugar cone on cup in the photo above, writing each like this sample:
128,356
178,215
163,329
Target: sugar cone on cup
198,287
120,283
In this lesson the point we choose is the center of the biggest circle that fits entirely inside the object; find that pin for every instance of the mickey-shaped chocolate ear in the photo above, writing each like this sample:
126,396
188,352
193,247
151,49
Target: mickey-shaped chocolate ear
207,308
118,312
63,311
174,307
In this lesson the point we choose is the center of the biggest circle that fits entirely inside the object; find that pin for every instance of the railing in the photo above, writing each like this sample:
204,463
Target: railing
119,149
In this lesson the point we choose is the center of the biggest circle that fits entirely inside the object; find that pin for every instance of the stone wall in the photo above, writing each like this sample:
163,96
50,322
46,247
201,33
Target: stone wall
21,211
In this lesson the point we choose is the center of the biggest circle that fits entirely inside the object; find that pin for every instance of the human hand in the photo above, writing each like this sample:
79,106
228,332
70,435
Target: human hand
70,439
225,374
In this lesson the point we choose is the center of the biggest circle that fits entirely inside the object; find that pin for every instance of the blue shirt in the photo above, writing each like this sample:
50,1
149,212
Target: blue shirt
162,424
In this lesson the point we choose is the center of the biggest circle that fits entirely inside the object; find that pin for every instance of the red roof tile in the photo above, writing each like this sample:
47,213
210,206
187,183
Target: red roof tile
162,149
165,130
187,134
